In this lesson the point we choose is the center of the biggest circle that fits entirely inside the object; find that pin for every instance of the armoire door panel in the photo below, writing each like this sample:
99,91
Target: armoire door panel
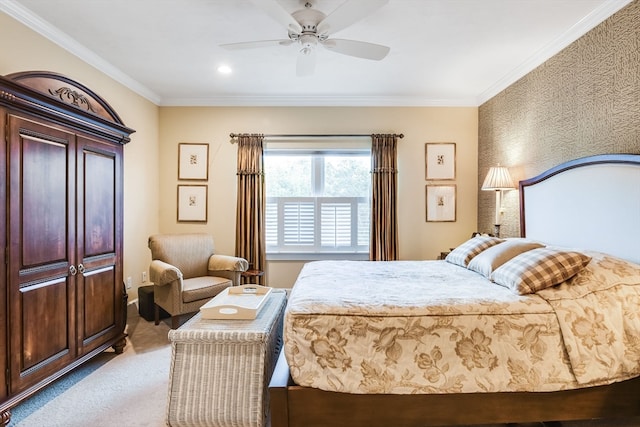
44,344
41,220
99,202
98,305
51,337
45,193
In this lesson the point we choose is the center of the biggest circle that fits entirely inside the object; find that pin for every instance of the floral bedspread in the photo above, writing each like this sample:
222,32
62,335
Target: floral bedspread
599,315
406,327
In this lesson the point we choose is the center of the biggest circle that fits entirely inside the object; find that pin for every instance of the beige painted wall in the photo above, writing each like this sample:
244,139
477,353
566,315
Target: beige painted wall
22,50
418,239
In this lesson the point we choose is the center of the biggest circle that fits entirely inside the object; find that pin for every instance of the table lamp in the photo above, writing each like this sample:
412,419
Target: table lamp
498,180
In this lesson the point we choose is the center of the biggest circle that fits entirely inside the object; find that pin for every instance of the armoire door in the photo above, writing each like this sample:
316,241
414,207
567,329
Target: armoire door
41,250
99,222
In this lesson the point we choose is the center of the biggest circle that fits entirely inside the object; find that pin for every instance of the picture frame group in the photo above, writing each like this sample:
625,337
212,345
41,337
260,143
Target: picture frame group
193,165
440,165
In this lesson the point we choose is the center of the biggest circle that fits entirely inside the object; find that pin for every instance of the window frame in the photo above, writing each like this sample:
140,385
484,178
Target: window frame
317,171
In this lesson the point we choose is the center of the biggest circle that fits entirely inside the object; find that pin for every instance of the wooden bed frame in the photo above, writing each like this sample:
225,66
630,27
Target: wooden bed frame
617,231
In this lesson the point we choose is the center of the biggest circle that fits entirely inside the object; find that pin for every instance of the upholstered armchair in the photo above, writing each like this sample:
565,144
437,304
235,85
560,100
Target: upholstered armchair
187,273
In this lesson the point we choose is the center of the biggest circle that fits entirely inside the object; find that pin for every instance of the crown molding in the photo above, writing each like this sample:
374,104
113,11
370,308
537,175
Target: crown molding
37,24
316,101
596,17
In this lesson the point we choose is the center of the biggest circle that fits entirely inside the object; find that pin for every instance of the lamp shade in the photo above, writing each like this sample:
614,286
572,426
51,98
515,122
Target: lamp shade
498,178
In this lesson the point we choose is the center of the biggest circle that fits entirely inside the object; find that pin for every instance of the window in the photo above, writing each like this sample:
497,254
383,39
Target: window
317,202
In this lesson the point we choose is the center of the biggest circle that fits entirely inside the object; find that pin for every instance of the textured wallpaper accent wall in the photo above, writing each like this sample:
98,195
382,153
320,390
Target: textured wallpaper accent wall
583,101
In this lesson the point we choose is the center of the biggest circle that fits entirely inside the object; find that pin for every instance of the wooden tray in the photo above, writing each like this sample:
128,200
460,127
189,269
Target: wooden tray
236,302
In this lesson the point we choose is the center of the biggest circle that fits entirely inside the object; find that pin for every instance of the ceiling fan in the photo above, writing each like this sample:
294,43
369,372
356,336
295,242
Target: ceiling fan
309,28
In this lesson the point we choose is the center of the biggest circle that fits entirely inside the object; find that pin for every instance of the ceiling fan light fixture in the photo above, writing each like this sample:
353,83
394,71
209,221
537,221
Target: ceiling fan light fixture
308,40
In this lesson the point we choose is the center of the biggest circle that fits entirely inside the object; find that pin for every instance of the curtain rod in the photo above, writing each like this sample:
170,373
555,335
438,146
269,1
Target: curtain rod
235,135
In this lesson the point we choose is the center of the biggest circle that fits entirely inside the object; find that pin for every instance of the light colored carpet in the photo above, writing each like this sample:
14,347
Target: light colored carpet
130,389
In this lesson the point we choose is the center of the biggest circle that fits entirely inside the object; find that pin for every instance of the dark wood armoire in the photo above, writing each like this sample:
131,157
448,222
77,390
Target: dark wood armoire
62,300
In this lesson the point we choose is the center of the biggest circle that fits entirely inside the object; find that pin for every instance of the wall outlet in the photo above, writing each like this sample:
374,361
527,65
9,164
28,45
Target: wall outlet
144,276
129,282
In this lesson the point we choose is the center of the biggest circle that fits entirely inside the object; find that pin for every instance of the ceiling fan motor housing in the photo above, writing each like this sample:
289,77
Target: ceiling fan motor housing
308,19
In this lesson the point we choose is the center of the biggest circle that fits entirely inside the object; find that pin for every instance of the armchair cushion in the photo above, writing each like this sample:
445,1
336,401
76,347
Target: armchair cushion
227,263
205,287
162,273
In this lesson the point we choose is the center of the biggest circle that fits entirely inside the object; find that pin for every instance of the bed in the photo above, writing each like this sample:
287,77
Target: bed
470,350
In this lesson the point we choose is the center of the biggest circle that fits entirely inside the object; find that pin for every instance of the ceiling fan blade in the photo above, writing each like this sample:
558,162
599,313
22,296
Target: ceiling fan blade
356,48
256,44
277,12
348,13
306,63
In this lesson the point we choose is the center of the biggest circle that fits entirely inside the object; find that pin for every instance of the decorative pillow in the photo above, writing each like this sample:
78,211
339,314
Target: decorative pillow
490,259
469,249
538,269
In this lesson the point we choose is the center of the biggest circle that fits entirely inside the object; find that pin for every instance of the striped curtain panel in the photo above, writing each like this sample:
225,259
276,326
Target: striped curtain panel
250,211
384,184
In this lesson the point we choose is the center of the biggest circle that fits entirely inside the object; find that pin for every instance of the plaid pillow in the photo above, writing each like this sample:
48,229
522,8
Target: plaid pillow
538,269
472,247
489,260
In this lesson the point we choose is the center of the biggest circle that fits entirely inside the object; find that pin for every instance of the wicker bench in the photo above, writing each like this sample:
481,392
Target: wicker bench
220,369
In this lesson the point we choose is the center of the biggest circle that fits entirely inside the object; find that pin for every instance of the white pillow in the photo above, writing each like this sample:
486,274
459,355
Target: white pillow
490,259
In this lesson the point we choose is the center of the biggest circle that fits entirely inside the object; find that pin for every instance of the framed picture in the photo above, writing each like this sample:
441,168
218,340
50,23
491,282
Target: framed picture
193,161
440,160
441,203
192,203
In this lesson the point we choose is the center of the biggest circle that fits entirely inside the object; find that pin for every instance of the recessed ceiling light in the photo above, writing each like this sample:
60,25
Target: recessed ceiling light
224,69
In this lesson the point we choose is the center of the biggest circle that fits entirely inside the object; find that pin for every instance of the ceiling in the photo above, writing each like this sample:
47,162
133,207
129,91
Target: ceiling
443,52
